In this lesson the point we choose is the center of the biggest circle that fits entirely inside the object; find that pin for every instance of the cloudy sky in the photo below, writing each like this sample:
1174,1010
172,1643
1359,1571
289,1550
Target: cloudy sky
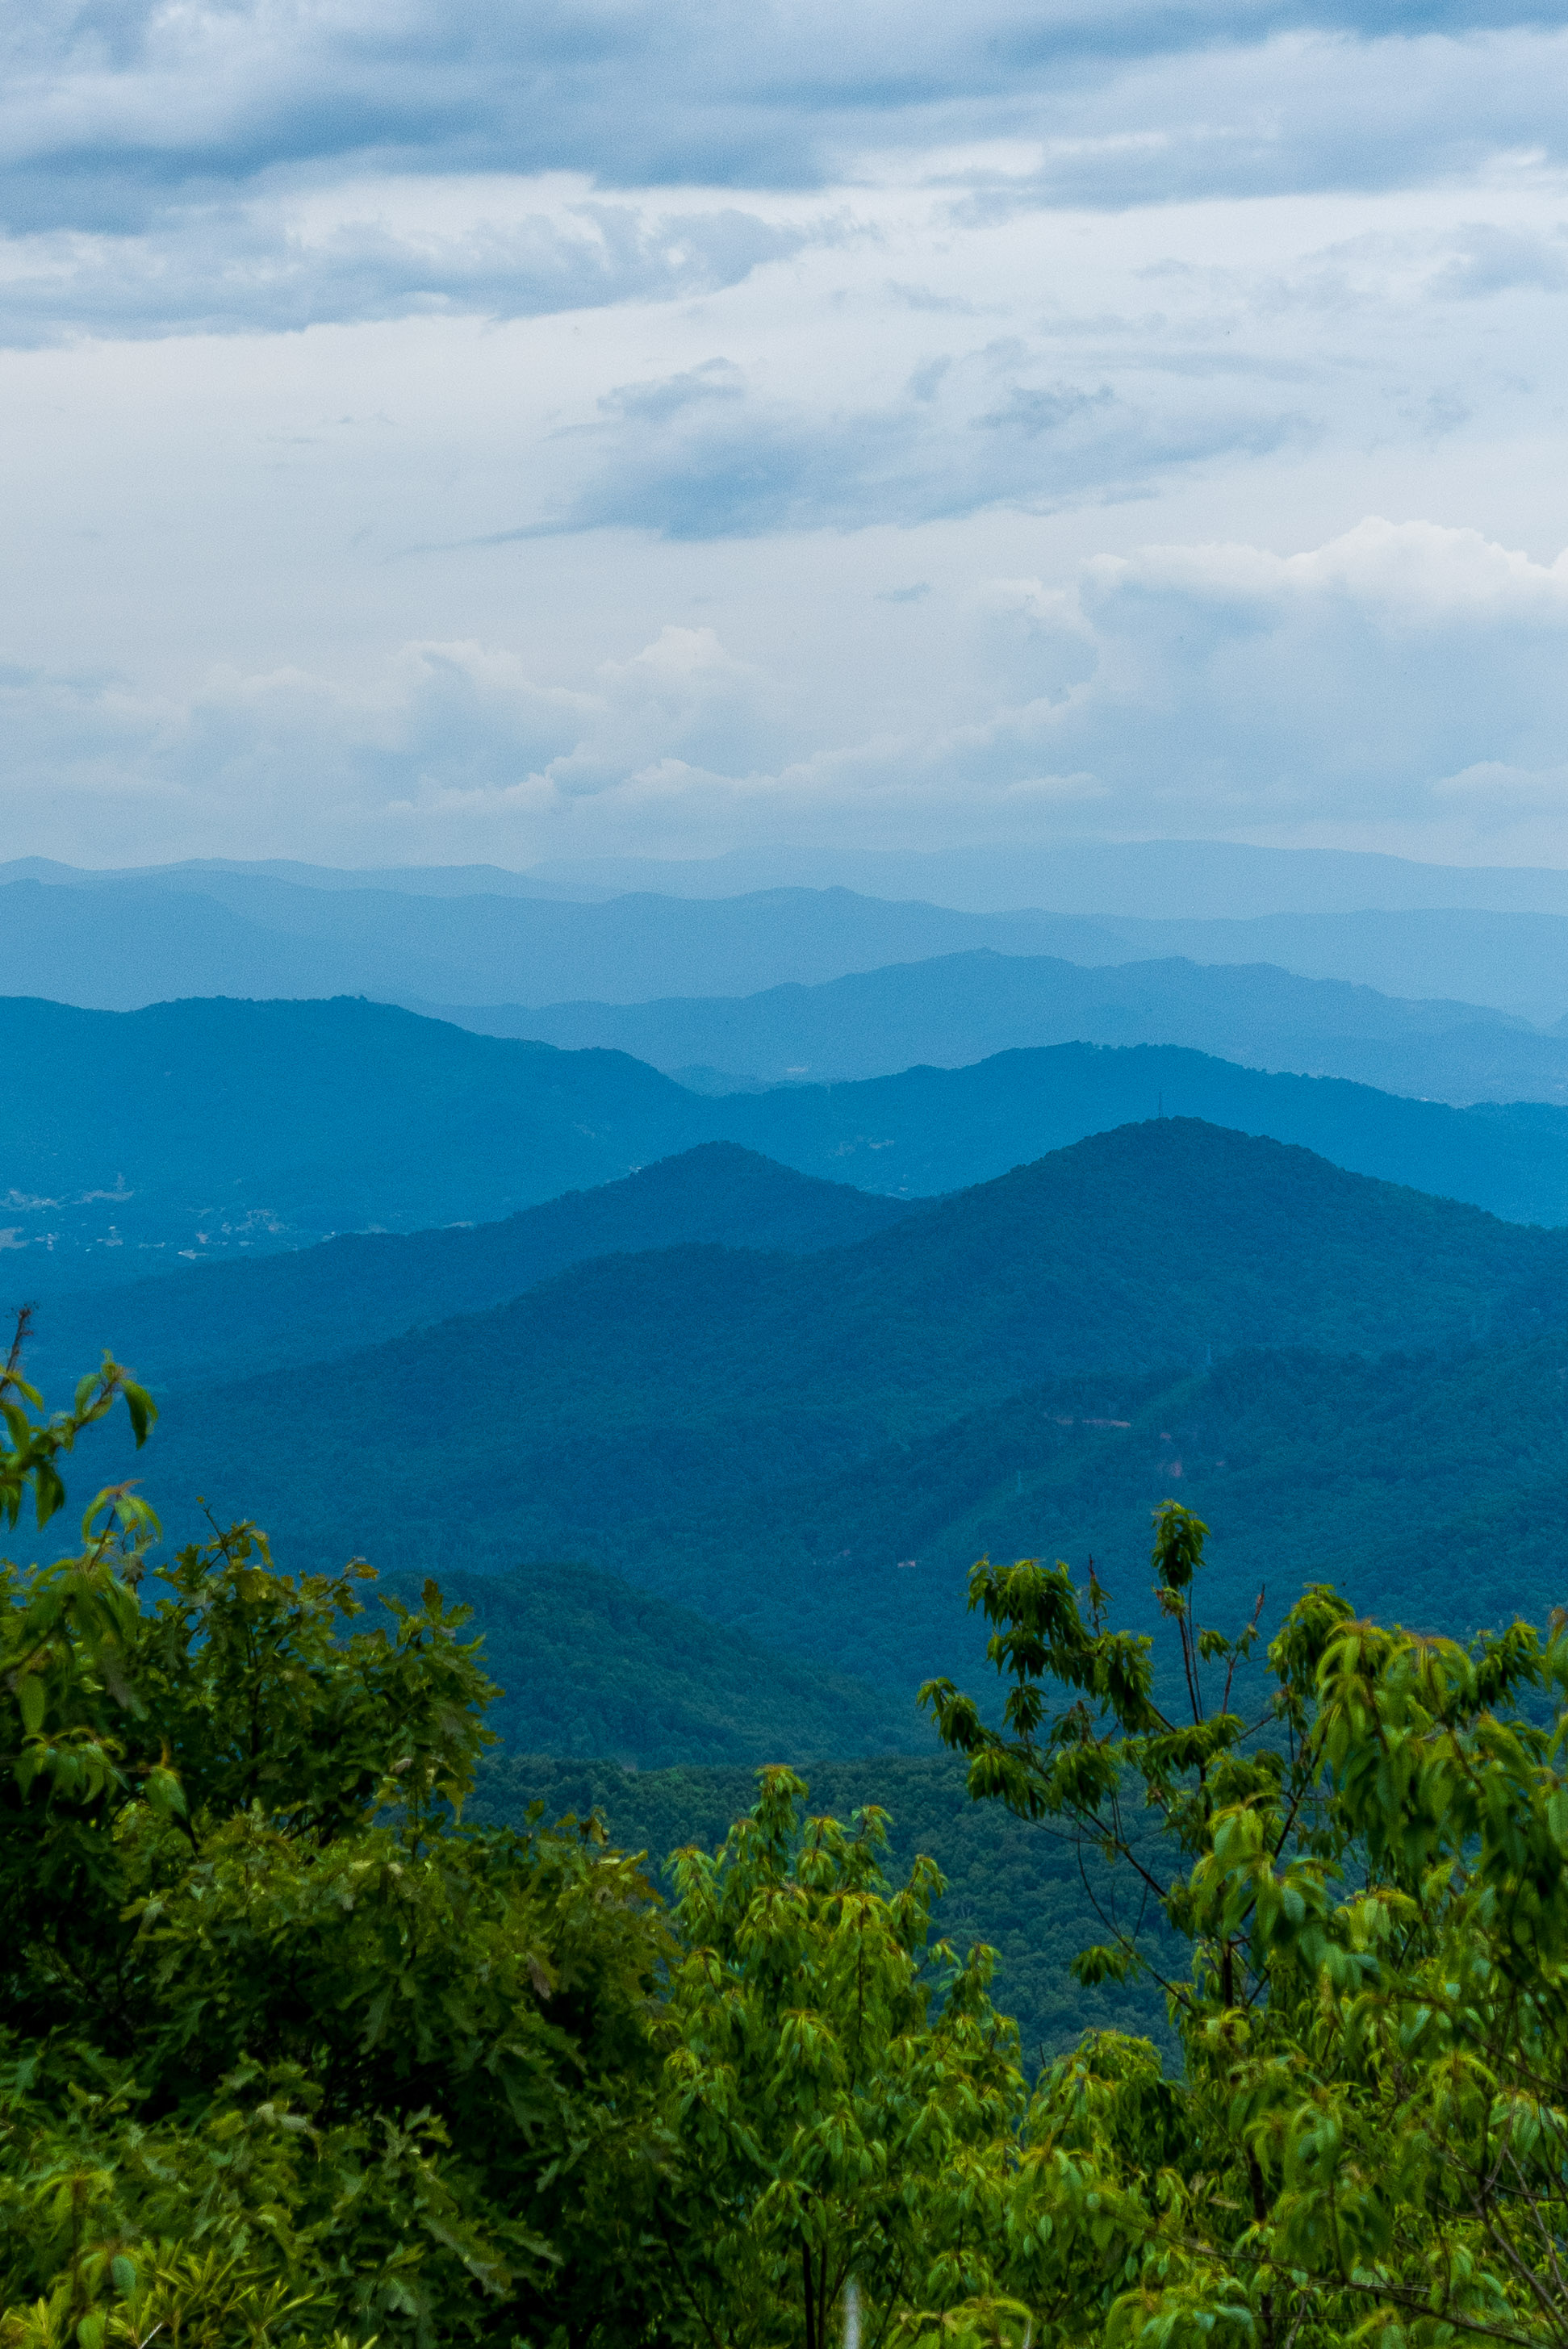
557,427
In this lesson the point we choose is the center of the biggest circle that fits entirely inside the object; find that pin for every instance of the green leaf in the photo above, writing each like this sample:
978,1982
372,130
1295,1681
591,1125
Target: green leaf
143,1410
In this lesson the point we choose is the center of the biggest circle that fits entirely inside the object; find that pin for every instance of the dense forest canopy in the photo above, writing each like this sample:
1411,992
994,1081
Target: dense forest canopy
768,1439
273,1312
294,2052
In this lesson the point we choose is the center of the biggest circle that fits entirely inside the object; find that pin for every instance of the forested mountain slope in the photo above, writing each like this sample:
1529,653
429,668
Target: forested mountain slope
244,1129
1134,1248
765,1439
1428,1487
227,1319
592,1667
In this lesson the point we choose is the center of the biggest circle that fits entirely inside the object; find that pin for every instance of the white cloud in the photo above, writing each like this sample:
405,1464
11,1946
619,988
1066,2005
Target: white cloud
274,264
217,166
439,737
102,112
568,423
1400,576
1177,689
1495,798
1240,689
703,454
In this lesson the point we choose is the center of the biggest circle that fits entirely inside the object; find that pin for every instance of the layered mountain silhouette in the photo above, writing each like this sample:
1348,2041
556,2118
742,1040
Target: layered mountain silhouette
952,1009
216,1319
225,1130
123,940
701,1344
1347,1377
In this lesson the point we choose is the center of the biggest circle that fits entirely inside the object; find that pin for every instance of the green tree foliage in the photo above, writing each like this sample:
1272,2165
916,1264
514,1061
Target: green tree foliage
1370,2141
832,2103
289,2054
280,2037
1005,1885
29,1455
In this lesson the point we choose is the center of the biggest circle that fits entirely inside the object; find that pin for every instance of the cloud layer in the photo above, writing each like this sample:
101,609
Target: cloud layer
1177,690
528,429
108,108
268,166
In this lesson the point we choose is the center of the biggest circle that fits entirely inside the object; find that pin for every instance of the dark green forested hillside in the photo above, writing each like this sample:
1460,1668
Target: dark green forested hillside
589,1666
310,1304
1428,1489
1023,1368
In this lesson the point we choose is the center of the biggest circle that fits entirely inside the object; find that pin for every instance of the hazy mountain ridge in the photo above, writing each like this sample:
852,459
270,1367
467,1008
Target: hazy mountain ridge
1212,879
929,1130
1150,879
952,1009
120,945
244,1129
122,942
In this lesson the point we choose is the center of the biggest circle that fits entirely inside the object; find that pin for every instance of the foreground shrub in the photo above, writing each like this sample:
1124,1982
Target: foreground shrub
284,2050
1366,1869
842,2092
289,2056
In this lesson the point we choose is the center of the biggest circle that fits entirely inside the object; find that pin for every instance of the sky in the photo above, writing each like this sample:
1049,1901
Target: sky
567,428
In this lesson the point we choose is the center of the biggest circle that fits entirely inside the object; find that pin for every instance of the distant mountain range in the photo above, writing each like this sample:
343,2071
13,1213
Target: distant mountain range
228,1130
123,941
1152,879
119,943
952,1009
810,1449
709,1438
1205,879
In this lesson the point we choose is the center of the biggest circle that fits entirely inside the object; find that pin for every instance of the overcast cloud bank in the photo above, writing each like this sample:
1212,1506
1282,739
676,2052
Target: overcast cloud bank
556,431
1183,688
